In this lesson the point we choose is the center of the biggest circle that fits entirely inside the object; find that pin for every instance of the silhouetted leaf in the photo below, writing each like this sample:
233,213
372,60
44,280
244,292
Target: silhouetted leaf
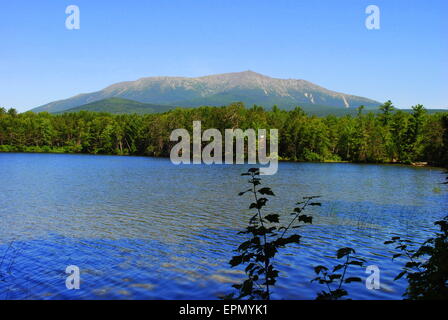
412,264
319,269
243,192
305,219
402,273
270,250
335,276
266,191
244,245
236,260
272,218
338,267
352,279
423,250
295,238
343,252
247,287
339,293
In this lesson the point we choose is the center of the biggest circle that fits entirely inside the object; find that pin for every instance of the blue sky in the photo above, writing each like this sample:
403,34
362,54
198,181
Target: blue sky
325,42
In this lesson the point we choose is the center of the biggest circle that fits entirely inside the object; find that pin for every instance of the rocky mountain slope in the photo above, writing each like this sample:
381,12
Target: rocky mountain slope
216,90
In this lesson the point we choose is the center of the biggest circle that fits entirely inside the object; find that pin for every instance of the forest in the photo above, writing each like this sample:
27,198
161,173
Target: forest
387,136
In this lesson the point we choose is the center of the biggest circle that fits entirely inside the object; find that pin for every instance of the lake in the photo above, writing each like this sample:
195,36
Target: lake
143,228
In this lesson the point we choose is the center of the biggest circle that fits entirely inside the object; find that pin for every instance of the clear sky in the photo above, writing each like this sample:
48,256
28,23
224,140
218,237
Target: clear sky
325,42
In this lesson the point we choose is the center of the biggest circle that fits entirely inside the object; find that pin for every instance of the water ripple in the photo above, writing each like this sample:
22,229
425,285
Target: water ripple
142,228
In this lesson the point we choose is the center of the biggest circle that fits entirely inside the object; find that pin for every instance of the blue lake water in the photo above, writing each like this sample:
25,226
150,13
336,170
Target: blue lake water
143,228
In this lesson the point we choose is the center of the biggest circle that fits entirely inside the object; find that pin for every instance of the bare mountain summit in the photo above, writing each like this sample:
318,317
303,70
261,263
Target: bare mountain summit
216,90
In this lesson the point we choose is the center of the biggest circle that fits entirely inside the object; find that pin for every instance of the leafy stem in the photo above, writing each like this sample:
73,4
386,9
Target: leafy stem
258,252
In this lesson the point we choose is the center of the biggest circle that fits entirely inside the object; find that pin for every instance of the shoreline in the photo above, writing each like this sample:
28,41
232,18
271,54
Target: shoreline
413,165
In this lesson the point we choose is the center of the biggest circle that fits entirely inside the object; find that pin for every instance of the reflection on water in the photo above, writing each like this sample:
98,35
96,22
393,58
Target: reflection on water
142,228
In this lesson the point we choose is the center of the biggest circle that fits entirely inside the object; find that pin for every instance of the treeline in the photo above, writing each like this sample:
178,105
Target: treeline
389,136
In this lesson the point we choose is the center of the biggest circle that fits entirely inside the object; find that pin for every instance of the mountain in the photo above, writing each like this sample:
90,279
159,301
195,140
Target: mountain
126,106
120,106
216,90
